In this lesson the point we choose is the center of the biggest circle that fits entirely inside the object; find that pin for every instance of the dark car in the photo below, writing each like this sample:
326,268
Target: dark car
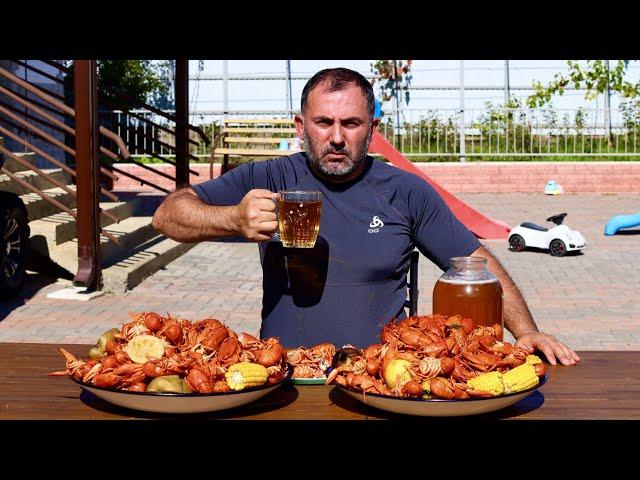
14,240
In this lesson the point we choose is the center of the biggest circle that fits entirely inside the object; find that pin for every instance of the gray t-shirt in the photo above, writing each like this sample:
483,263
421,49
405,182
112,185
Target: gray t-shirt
346,288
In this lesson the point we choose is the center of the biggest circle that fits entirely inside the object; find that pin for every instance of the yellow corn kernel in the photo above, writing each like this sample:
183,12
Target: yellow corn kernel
520,378
532,359
245,374
490,382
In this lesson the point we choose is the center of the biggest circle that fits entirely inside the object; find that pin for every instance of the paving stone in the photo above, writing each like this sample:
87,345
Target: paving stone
590,301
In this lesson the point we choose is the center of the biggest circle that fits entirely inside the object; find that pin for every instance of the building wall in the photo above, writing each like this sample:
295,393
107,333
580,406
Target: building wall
469,177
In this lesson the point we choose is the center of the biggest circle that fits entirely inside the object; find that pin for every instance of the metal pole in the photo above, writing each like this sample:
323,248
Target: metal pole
225,87
182,122
607,109
507,92
87,175
462,142
397,95
289,97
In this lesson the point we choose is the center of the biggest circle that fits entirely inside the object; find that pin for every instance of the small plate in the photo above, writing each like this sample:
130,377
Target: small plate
181,402
437,407
309,381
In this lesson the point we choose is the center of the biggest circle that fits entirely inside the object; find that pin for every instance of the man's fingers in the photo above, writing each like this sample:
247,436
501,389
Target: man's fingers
545,348
259,237
265,204
268,227
263,193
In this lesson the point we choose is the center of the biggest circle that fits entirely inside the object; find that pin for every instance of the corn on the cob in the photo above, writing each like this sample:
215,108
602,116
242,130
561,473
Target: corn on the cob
520,378
532,359
245,374
490,382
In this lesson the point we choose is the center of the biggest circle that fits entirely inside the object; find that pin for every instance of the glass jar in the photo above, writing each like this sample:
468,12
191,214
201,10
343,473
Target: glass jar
469,289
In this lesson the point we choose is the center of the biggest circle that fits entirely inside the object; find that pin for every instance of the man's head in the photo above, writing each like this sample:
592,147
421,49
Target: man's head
336,122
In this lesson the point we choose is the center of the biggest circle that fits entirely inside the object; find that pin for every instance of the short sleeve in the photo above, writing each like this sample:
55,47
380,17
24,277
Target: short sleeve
438,232
230,188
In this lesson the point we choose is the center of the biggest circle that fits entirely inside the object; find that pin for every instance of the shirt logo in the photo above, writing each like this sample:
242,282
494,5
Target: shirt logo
375,225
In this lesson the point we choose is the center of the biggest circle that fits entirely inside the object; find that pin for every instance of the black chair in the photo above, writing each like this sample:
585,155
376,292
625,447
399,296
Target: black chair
412,284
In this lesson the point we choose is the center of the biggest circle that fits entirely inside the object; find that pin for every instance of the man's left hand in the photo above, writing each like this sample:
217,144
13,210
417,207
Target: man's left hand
550,346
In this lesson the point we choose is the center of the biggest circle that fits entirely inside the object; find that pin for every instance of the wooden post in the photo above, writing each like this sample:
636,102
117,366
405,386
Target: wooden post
182,122
87,175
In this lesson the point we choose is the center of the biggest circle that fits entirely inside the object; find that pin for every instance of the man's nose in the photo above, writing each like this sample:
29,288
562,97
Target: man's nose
336,135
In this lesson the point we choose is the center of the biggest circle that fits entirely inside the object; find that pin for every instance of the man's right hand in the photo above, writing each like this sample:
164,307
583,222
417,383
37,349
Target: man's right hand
256,214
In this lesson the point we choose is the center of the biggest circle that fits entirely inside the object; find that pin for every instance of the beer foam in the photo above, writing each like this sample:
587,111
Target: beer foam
467,282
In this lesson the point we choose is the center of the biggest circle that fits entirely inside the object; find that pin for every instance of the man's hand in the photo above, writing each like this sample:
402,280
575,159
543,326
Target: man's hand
256,215
549,345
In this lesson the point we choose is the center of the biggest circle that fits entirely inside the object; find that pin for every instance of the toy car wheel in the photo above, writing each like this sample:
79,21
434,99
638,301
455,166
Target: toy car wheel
14,238
557,248
516,243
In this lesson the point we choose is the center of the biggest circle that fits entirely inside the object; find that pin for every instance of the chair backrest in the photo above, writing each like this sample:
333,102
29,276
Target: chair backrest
412,284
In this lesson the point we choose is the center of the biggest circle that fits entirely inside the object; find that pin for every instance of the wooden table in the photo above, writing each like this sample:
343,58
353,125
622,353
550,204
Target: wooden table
603,386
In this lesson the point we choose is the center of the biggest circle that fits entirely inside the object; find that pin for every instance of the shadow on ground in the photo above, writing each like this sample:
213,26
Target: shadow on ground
41,272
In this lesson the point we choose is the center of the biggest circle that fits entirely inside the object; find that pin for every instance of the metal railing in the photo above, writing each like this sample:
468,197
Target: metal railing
489,133
13,118
141,134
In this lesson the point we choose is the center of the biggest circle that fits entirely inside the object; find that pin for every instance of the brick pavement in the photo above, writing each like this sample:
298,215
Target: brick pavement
589,301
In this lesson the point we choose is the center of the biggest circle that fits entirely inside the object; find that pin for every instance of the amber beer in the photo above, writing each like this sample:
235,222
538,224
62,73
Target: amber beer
470,290
299,218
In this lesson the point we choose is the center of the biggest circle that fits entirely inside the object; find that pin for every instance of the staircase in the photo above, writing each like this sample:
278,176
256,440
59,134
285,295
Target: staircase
140,250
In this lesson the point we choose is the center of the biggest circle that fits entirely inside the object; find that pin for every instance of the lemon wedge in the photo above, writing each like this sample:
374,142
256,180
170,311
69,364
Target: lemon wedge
144,347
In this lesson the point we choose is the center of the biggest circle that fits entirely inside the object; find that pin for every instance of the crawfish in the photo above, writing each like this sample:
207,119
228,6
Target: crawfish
348,360
445,388
172,331
365,383
199,381
271,353
75,367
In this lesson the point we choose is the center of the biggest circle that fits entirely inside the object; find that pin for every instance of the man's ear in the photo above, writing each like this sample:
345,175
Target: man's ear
374,126
299,126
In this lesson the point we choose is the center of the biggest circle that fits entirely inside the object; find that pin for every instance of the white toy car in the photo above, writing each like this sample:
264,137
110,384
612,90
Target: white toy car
558,240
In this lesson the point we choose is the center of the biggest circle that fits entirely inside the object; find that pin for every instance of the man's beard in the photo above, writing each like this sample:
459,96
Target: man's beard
351,160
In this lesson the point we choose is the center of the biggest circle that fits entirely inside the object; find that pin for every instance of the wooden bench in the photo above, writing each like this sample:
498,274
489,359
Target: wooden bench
255,137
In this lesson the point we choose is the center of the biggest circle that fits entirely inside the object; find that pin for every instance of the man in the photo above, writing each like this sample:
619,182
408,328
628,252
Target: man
354,280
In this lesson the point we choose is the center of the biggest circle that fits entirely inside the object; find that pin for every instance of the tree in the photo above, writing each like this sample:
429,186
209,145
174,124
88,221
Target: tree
595,78
127,83
394,76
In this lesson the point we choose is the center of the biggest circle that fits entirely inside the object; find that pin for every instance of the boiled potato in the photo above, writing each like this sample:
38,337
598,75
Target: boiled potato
168,384
95,353
396,372
144,347
99,350
105,337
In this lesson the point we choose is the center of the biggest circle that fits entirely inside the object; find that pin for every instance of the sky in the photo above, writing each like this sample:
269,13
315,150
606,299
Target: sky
260,95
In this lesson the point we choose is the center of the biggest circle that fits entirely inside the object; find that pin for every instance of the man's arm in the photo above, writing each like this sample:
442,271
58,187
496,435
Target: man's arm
519,321
517,316
183,217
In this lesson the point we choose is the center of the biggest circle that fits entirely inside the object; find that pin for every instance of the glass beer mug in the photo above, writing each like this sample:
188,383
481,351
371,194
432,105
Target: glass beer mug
298,215
470,290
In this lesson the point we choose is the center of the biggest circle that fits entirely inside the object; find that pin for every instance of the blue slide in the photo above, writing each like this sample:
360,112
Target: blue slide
621,221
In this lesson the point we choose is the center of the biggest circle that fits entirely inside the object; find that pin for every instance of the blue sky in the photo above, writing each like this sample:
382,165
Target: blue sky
271,94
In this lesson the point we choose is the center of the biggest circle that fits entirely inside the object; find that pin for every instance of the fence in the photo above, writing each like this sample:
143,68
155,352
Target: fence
444,135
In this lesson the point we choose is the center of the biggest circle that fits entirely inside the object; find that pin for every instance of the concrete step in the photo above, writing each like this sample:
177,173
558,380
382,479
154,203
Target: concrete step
141,263
7,184
39,208
14,166
62,227
130,232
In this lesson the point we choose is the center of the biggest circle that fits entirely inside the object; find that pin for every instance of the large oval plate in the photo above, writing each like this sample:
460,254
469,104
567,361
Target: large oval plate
437,407
181,402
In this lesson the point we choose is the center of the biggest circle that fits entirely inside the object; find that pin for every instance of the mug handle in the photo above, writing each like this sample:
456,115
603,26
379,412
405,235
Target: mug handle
276,235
